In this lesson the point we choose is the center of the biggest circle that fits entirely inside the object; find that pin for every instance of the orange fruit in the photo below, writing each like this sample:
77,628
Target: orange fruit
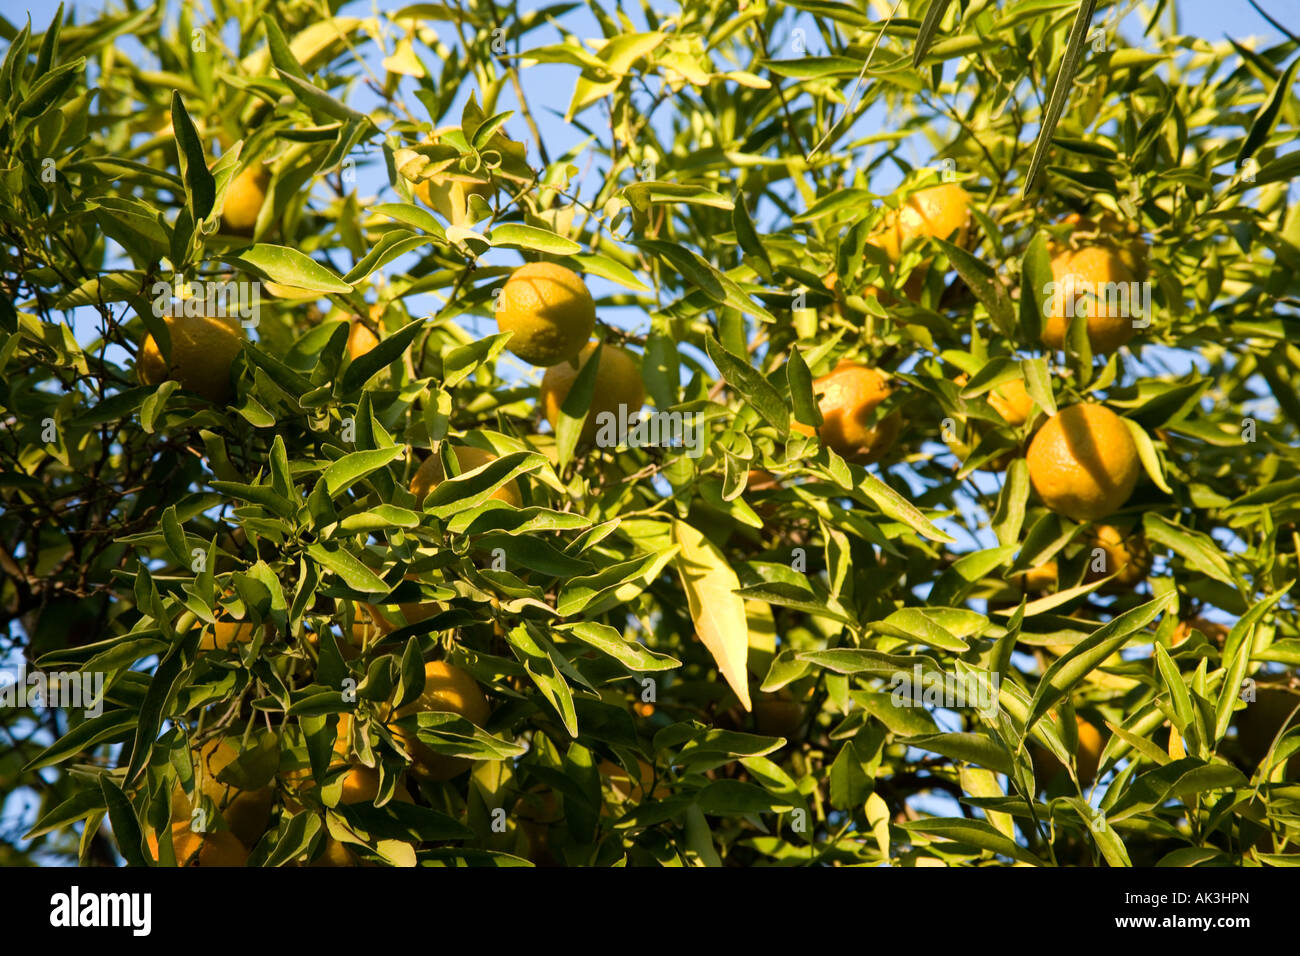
218,848
430,474
1108,230
1041,579
202,351
549,312
1125,553
938,211
848,397
224,634
360,340
618,391
1083,462
1087,756
244,198
449,195
447,689
1011,400
1086,277
246,812
628,787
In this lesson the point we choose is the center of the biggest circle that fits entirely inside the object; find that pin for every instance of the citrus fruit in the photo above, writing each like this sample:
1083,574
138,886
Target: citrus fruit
626,785
202,351
549,311
360,340
1107,230
1011,400
848,397
618,390
1111,551
1087,756
218,848
224,634
430,474
447,689
449,194
1093,281
1083,462
938,211
246,812
244,198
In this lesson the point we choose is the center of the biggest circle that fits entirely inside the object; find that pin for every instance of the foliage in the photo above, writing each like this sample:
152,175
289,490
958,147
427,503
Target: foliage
643,599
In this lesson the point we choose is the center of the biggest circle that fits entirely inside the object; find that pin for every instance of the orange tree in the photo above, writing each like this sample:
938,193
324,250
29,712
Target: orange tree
910,557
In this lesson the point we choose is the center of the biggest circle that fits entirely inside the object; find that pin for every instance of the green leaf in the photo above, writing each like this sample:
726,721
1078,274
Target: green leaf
929,28
126,826
533,237
605,267
1262,125
1088,654
750,385
607,640
349,469
200,187
895,506
1200,551
289,267
977,833
349,568
1061,86
114,726
388,351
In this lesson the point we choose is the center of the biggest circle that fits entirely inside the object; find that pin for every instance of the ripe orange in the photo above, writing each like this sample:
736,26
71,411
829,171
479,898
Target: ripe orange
1083,462
1087,756
628,787
244,198
1011,400
246,812
1107,230
449,195
848,397
225,633
1085,276
939,211
430,474
202,350
217,848
549,311
619,390
1126,553
446,689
